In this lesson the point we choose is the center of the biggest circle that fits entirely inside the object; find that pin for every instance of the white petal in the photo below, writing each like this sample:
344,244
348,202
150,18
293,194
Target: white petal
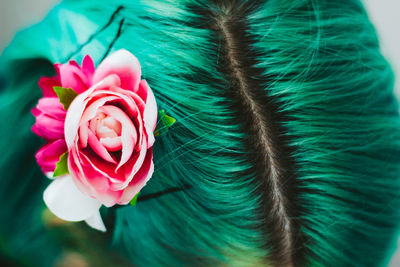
96,222
65,200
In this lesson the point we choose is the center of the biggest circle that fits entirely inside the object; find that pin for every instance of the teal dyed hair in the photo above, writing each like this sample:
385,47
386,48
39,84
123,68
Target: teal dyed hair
286,145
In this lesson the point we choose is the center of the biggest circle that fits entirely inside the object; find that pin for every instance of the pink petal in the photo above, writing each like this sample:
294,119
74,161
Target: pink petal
49,155
98,148
125,65
72,76
77,173
135,97
139,180
130,168
97,180
50,116
35,112
74,63
88,67
150,116
86,177
143,89
99,183
91,110
108,82
106,169
47,84
93,123
112,124
48,127
110,198
84,134
104,132
131,101
128,132
52,107
111,143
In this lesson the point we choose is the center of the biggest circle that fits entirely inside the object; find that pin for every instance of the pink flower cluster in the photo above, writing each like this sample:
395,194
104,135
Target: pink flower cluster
107,129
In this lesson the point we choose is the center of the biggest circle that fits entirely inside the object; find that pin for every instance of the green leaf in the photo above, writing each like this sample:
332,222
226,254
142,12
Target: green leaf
61,165
134,200
65,95
164,123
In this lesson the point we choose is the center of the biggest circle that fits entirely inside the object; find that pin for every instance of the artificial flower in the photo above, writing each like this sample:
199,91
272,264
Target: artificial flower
99,124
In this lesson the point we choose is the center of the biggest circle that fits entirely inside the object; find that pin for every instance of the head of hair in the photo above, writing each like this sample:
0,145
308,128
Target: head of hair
286,146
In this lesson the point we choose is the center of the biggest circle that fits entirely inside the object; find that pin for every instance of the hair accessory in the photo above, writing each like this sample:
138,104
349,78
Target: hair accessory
99,126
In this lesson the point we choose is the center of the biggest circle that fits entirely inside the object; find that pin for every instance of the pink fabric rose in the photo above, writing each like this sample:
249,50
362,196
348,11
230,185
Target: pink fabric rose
107,131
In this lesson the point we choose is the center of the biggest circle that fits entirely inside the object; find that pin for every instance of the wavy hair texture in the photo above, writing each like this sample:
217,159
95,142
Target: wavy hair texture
286,146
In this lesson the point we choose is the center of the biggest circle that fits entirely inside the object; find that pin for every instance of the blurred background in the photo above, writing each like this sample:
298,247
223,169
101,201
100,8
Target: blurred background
18,14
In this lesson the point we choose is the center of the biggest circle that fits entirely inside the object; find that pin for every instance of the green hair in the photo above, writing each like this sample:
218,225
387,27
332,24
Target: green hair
286,145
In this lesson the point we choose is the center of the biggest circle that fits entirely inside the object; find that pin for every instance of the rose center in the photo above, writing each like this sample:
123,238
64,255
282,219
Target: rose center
105,126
